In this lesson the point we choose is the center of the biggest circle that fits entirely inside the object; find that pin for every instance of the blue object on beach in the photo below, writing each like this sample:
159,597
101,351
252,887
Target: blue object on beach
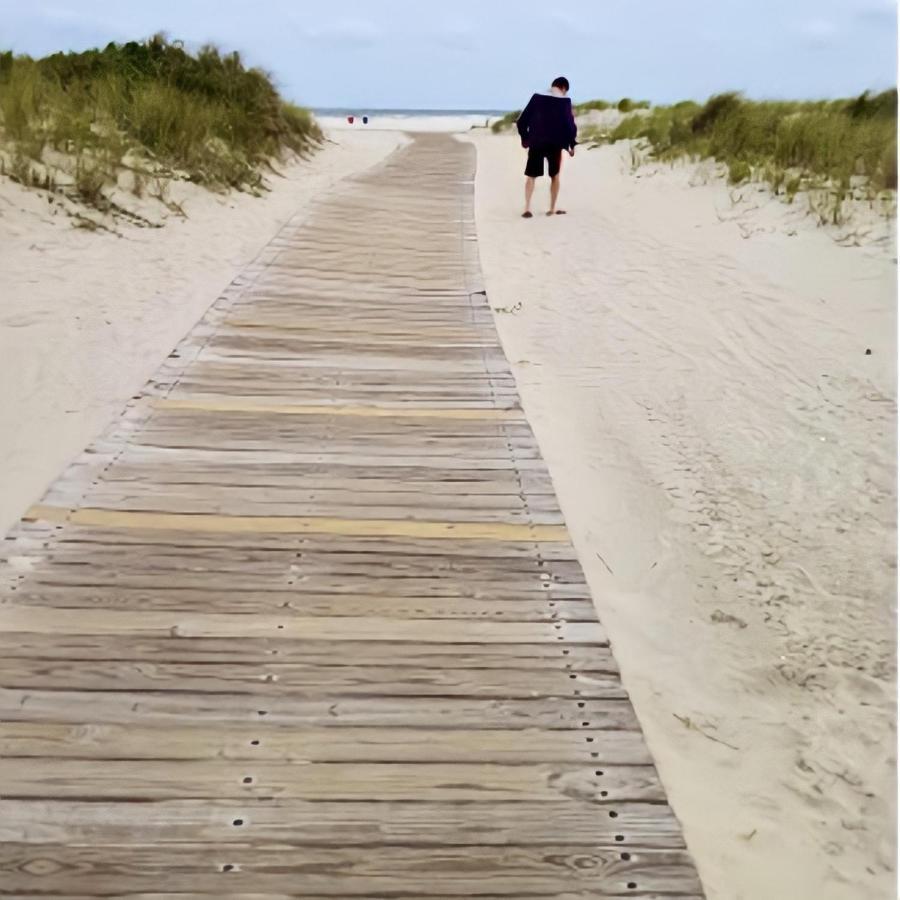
365,120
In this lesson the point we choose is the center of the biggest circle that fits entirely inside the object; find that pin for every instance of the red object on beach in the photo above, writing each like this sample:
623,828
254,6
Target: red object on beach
350,119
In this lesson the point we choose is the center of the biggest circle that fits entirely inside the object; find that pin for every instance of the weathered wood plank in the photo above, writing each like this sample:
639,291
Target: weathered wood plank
435,494
36,619
276,679
339,411
170,707
414,871
150,454
270,895
346,823
472,482
283,512
532,657
348,744
35,592
299,503
422,782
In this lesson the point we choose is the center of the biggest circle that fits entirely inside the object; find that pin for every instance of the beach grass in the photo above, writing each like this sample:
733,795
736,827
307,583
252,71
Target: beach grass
582,108
506,122
844,145
624,105
152,107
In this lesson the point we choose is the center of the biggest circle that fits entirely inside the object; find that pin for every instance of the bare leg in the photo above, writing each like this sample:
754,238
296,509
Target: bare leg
529,192
554,193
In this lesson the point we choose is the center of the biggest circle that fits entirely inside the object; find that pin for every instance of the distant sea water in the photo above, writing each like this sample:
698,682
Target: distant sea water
405,119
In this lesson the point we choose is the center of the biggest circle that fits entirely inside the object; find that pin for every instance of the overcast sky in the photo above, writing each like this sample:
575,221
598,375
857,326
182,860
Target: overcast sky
492,53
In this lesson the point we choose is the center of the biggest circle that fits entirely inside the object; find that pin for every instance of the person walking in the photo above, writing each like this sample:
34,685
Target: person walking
547,127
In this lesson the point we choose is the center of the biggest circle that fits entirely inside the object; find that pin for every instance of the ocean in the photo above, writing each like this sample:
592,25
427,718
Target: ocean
405,119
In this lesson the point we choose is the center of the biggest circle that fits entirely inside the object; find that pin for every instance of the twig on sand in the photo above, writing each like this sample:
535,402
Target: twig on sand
605,563
686,721
750,836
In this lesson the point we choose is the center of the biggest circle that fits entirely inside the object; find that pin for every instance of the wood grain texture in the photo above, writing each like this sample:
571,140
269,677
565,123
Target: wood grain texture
327,823
411,871
306,621
322,744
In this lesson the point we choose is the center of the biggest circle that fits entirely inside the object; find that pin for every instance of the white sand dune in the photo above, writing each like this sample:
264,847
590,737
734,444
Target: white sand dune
86,318
696,372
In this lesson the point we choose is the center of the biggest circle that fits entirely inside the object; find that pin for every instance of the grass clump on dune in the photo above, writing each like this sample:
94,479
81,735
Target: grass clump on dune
844,145
150,107
626,104
586,107
505,122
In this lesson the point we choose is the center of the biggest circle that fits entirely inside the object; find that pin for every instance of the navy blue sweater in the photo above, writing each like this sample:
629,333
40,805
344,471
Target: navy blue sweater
547,121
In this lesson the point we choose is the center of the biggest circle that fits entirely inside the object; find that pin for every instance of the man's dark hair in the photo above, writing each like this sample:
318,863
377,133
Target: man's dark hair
562,83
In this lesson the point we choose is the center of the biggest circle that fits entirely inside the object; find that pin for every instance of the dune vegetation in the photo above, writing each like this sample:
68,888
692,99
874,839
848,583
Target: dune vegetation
506,122
790,145
141,114
626,104
847,148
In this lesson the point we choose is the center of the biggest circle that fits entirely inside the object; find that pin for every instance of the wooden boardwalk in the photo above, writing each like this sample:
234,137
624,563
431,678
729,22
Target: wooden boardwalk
306,621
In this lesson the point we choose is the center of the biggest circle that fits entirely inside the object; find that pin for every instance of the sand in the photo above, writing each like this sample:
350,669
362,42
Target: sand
86,317
693,361
694,364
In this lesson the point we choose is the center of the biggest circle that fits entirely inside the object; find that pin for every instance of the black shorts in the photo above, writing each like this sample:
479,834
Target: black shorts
534,168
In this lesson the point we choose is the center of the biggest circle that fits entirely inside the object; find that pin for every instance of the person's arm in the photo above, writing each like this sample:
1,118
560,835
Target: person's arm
524,121
573,129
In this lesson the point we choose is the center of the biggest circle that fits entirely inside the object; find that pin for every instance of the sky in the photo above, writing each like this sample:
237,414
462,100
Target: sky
492,54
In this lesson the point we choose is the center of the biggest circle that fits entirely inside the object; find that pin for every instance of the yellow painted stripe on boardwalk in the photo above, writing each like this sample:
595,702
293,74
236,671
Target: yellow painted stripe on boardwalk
324,409
479,531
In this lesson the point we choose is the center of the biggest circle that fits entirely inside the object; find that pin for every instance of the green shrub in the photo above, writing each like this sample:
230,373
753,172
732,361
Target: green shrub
626,104
203,114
